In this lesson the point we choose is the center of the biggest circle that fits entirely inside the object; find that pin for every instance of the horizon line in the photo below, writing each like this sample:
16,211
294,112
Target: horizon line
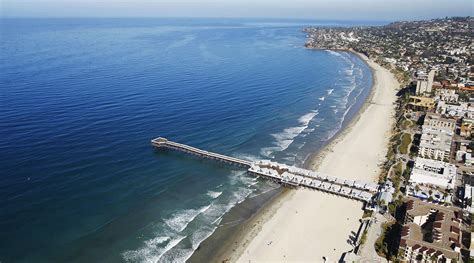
230,18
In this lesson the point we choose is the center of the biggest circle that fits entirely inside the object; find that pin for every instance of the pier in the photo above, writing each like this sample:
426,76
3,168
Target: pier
164,143
286,175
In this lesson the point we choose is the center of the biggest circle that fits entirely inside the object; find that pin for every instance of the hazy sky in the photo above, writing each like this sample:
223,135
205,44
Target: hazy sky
384,10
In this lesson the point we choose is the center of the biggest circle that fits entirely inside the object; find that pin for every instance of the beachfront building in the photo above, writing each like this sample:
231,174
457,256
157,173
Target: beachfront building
437,121
424,82
417,103
431,233
433,173
435,143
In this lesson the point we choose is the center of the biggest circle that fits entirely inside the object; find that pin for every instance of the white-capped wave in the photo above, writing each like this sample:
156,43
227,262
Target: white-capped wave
287,136
247,180
180,220
305,119
329,91
321,98
213,194
152,249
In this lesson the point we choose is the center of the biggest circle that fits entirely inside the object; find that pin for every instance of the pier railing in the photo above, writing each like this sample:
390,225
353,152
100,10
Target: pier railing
164,143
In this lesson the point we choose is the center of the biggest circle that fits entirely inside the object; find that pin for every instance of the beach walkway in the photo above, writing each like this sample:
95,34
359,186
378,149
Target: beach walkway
284,174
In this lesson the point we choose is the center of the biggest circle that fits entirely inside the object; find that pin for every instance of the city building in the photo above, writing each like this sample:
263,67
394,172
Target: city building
447,95
424,82
437,121
435,143
433,173
463,109
418,103
431,233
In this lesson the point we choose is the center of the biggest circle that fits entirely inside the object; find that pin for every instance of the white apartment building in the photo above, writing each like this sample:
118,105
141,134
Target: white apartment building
435,143
433,173
424,82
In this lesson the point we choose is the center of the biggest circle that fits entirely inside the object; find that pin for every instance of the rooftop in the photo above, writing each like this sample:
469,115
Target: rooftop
436,138
436,233
427,171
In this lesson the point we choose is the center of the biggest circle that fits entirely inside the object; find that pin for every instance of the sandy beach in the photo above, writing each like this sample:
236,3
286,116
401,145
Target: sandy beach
307,225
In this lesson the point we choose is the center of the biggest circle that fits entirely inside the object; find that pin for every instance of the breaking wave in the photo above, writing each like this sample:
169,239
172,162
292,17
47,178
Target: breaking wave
180,220
287,136
151,252
213,194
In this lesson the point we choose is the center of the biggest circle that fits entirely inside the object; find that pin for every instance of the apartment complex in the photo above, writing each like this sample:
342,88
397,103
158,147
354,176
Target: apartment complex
430,233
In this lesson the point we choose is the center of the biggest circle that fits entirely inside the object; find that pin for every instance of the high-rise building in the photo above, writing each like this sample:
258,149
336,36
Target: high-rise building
424,82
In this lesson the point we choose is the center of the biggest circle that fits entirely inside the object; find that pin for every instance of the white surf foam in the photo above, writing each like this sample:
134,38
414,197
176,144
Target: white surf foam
287,136
217,221
236,177
180,220
151,251
177,255
200,235
329,91
213,194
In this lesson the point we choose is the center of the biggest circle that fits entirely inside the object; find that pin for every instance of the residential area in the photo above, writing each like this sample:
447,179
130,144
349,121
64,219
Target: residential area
423,212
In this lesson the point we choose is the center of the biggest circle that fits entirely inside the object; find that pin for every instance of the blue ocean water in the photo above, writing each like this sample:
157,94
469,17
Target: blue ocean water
80,100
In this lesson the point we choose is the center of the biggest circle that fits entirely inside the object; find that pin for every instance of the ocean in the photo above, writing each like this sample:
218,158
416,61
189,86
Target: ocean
81,99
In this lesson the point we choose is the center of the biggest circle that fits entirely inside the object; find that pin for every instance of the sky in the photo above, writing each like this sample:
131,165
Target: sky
366,10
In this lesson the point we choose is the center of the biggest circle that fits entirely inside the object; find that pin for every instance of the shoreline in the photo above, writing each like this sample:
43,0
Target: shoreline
263,240
310,162
242,241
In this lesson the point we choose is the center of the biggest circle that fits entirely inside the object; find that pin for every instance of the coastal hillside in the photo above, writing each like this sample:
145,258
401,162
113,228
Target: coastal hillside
406,46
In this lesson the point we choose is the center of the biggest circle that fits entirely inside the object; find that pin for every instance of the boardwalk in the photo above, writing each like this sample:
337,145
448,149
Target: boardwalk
284,174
